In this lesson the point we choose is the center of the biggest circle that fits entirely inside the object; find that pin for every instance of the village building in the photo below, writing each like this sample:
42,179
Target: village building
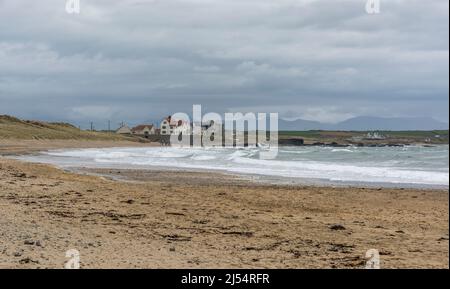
170,126
165,127
144,130
124,129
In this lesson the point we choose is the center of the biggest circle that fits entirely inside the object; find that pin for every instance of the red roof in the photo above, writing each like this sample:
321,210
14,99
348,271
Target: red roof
175,123
141,127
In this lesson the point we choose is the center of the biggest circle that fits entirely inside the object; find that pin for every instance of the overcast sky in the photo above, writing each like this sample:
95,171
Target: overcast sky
137,60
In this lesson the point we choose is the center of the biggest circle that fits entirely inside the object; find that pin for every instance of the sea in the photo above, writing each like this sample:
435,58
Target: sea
408,166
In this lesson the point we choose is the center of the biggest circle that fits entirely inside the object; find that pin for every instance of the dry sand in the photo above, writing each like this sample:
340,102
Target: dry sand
193,220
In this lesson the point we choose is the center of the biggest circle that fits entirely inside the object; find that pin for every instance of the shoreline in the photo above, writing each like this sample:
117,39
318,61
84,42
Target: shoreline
108,172
189,220
28,155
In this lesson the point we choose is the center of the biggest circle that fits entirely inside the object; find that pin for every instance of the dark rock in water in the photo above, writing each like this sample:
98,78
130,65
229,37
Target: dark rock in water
291,142
337,227
336,145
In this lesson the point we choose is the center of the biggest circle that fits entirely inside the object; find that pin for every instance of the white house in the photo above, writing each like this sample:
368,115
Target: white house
144,130
165,127
170,126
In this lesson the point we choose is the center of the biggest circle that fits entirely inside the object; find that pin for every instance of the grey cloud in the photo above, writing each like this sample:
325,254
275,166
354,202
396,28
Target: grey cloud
137,60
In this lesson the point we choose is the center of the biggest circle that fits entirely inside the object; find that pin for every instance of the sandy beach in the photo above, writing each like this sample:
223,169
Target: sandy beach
160,219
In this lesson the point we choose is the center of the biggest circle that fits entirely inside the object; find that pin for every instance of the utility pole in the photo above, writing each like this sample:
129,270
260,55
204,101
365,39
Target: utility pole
109,126
92,126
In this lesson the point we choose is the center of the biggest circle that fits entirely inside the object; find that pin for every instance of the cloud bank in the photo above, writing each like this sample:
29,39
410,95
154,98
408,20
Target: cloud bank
136,60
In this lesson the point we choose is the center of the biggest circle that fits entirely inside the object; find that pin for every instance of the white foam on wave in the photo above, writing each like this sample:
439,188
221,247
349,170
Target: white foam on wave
203,158
342,150
338,172
245,161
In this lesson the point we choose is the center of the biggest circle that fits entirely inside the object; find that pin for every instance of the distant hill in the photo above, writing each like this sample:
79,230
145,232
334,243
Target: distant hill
14,128
367,123
378,123
300,125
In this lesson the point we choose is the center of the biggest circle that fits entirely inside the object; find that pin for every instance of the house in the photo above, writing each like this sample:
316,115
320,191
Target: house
165,126
375,136
182,127
144,130
170,126
124,129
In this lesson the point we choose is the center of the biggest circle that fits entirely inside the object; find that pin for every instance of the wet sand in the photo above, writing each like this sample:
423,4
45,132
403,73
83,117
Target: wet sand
163,219
17,147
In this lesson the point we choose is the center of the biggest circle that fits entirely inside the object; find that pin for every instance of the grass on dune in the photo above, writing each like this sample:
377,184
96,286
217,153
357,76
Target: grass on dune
14,128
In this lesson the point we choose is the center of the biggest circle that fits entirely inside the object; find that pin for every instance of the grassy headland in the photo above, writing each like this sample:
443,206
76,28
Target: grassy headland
14,128
25,136
362,137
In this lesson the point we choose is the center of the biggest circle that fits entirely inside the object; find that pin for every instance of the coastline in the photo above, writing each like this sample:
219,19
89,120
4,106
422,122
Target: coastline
133,174
179,219
89,164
